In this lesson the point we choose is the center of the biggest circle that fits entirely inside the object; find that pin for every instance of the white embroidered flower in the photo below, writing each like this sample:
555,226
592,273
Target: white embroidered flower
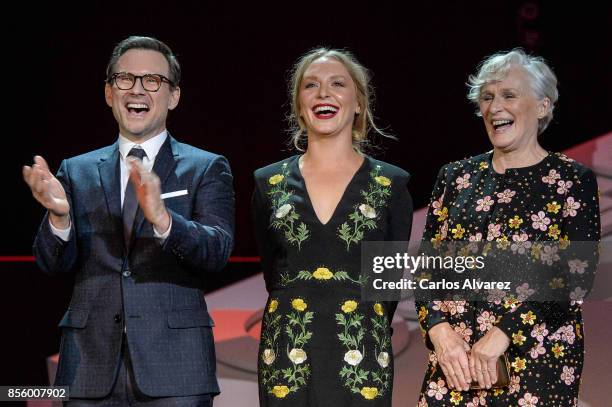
523,292
528,400
540,221
564,187
578,295
268,356
463,182
353,357
549,254
494,230
537,350
383,359
577,266
283,211
520,244
570,206
539,332
485,321
484,204
552,177
367,211
506,196
464,331
475,238
297,356
437,390
568,375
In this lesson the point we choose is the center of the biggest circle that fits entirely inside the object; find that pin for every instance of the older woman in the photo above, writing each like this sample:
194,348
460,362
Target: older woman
513,198
321,345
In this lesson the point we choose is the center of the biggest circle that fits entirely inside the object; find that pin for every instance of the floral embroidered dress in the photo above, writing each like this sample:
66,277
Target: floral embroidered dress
516,213
321,345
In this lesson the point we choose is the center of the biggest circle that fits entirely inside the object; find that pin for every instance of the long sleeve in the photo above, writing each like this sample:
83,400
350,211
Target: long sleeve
400,222
260,217
428,316
54,255
206,241
578,259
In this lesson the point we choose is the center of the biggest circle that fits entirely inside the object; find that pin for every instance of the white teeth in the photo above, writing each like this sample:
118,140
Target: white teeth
137,106
322,108
501,122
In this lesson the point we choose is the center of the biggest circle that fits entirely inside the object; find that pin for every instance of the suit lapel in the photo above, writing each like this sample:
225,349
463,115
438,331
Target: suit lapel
110,177
163,167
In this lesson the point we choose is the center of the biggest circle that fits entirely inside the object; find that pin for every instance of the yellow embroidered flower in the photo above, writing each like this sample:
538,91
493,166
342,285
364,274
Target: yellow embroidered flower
511,302
553,207
578,333
557,350
442,214
349,306
435,241
486,248
275,179
299,304
515,222
483,165
518,338
503,242
378,308
280,391
458,231
536,251
519,364
272,306
369,393
422,313
384,181
528,318
322,273
554,232
497,392
456,397
564,242
556,283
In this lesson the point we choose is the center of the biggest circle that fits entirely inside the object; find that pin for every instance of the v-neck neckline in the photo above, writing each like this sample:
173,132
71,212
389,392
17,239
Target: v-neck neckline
342,197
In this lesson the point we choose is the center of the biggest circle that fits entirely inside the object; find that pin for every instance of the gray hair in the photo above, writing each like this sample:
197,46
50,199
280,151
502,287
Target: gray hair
495,67
363,122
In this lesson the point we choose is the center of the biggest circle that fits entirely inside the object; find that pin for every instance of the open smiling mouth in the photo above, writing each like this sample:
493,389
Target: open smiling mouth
139,109
325,111
502,124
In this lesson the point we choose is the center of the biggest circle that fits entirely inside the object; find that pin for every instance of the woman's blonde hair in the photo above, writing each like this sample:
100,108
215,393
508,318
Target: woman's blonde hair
363,123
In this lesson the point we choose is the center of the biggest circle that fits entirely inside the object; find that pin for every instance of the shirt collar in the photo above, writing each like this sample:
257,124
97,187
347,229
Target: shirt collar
151,146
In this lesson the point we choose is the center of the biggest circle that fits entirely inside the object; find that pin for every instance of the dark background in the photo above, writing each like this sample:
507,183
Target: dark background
235,60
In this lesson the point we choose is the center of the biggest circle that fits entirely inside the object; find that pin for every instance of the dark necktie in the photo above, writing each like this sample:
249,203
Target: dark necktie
130,203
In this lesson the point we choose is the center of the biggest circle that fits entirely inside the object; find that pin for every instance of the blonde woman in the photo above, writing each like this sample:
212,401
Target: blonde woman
321,345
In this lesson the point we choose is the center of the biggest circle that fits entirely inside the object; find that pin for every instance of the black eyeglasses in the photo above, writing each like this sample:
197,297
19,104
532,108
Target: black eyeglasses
150,82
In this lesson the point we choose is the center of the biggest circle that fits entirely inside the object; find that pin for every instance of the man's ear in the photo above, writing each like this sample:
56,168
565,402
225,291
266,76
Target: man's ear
175,95
108,94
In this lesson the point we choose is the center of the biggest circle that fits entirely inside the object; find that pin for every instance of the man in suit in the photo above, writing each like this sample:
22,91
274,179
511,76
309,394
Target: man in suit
141,222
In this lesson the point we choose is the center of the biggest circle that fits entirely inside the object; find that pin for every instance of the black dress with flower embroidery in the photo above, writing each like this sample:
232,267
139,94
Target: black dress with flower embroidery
321,345
517,213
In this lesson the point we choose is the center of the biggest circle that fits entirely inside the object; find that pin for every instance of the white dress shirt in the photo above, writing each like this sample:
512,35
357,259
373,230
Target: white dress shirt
151,147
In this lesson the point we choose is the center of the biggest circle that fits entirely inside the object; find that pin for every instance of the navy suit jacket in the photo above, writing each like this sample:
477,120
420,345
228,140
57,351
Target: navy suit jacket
155,291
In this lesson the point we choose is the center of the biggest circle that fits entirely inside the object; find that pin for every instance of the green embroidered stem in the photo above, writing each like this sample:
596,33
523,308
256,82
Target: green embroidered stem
365,215
285,216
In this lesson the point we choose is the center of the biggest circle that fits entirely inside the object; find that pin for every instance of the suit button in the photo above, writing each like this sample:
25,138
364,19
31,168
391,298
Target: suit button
127,273
117,318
